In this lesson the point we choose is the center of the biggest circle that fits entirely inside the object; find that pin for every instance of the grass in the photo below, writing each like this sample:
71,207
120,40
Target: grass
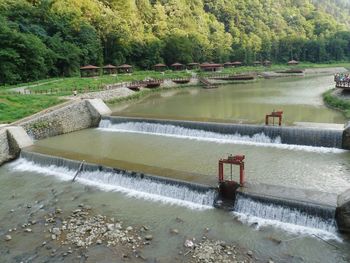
337,103
66,85
14,107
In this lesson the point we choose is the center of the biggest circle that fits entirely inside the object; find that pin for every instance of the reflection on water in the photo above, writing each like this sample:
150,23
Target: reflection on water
300,99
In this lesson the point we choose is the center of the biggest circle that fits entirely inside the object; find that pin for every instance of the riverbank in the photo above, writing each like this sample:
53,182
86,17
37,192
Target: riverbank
17,106
339,100
86,234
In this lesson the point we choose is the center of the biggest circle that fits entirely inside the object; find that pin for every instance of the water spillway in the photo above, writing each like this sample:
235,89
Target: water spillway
287,211
128,182
248,202
328,138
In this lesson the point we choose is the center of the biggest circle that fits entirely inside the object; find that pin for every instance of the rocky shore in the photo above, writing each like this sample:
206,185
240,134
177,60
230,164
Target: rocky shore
81,235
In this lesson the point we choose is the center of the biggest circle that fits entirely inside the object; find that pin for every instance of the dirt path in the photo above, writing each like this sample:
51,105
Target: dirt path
23,88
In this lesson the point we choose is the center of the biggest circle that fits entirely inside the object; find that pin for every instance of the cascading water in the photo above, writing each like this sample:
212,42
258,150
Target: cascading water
289,218
133,184
241,134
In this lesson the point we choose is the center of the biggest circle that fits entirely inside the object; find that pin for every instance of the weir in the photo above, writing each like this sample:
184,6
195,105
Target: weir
129,182
295,206
329,138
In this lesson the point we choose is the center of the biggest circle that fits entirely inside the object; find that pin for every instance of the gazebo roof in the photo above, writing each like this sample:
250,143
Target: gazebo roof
125,66
293,62
89,67
192,64
210,65
177,65
109,66
236,63
267,61
160,65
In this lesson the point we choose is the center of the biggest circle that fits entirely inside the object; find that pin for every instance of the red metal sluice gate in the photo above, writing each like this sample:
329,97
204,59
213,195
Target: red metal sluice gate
275,114
227,188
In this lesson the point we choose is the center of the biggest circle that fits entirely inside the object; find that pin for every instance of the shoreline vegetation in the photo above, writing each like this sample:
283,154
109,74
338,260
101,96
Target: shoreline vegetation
338,100
16,106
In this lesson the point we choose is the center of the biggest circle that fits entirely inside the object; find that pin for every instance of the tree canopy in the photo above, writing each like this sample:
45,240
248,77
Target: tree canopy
43,38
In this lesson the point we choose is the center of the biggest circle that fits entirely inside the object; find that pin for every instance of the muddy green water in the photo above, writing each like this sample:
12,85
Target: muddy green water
193,160
18,189
196,160
300,98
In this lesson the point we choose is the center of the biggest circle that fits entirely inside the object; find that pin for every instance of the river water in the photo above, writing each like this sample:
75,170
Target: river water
299,97
193,158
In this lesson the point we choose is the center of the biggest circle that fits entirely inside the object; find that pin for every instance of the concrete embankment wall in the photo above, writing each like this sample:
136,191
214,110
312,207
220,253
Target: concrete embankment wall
346,137
343,212
12,140
76,116
62,119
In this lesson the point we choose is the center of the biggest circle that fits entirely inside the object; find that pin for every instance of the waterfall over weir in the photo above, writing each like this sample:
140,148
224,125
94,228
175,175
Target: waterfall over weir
302,215
316,219
293,138
130,183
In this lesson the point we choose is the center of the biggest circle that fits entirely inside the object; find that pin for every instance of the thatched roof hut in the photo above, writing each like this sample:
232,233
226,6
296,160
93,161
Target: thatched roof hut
89,71
293,62
177,66
109,69
160,67
210,67
125,68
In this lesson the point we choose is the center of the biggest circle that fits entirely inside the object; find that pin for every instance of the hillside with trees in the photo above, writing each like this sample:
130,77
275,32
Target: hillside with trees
46,38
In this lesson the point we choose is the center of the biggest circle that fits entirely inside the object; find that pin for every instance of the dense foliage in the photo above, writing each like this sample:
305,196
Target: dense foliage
42,38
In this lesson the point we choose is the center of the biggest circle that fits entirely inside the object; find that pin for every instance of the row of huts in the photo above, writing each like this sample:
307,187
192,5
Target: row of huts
90,70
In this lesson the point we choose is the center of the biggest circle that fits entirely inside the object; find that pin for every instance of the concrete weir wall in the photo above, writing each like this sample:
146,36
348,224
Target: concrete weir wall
71,117
76,116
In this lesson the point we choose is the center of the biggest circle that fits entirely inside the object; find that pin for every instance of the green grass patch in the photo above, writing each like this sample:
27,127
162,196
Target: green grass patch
337,103
65,86
14,107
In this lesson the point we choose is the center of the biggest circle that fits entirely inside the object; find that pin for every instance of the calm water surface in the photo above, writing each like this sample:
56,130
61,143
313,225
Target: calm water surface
197,160
300,98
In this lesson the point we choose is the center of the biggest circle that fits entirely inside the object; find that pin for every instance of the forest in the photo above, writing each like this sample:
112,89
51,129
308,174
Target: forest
53,38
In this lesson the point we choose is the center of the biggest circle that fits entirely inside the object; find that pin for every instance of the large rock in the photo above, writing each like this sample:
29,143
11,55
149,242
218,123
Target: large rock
346,137
343,212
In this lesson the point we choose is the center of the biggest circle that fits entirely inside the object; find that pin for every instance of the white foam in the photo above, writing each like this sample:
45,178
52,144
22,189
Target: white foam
259,139
259,223
290,220
144,189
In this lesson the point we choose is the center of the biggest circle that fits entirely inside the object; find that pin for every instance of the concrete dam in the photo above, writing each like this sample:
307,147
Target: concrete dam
304,207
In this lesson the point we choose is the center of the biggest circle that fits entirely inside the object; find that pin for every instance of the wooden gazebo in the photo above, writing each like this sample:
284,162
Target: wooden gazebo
89,71
293,62
160,67
237,63
177,66
193,65
210,67
125,68
228,65
109,69
267,63
257,63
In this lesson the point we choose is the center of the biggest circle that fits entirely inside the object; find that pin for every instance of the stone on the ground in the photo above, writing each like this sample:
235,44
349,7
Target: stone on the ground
174,231
8,238
148,237
189,243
